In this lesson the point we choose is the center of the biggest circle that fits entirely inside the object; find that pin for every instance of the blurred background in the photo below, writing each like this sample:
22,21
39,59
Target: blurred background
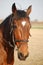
36,18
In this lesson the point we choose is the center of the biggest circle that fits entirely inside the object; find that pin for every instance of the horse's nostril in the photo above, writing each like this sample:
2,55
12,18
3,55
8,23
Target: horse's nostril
21,55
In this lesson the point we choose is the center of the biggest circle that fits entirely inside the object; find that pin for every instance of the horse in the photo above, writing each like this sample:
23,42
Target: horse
15,31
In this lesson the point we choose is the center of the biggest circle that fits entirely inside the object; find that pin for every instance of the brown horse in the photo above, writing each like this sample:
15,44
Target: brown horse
14,30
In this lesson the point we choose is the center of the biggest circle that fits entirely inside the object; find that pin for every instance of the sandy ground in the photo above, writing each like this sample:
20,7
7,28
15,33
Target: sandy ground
35,49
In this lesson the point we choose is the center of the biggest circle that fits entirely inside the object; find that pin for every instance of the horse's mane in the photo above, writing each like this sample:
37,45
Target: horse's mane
5,20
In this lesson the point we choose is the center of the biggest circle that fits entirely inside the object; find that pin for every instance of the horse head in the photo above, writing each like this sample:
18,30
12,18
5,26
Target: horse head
21,30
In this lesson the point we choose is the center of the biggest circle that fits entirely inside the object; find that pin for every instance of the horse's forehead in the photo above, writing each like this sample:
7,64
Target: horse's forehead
21,22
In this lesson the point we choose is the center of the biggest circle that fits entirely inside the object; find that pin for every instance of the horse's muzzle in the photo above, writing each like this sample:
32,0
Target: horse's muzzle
22,57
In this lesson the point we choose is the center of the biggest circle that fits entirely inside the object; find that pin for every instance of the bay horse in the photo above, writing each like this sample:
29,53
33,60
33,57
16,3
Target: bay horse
15,31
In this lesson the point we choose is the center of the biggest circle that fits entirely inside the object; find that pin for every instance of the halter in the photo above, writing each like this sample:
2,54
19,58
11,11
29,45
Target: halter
11,32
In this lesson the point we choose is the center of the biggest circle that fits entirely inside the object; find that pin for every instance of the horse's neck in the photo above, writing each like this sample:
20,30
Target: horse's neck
5,35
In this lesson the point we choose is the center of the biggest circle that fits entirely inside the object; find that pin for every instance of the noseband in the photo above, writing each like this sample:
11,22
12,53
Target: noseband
11,32
21,40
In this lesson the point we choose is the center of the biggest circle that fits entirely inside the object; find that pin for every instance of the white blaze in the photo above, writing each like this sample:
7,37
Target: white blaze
23,23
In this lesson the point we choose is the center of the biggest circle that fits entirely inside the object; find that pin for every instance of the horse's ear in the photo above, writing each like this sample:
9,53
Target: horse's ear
13,8
29,9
